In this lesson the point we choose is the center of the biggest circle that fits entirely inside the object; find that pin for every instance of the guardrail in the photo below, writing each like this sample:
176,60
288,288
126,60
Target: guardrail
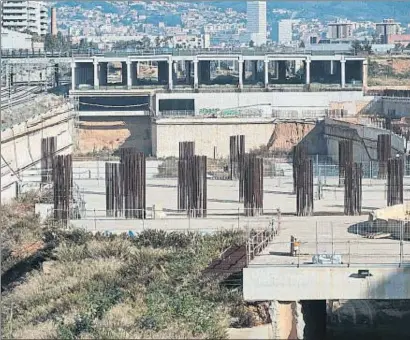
26,53
259,240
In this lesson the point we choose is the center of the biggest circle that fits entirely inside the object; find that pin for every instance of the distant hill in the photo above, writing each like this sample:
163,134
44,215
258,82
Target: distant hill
324,10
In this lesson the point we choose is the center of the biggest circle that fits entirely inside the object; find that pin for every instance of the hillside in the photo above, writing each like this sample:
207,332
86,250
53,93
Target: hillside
323,10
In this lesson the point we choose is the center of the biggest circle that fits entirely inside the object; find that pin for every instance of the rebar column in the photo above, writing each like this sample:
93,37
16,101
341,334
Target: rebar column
252,184
186,150
48,149
132,174
236,154
383,153
353,189
345,157
62,186
394,181
193,180
113,189
299,155
304,187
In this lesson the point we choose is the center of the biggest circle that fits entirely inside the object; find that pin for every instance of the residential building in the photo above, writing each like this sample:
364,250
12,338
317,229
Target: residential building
386,28
285,31
25,16
256,25
340,30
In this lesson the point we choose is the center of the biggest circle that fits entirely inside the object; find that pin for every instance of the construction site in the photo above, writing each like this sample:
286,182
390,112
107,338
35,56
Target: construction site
318,180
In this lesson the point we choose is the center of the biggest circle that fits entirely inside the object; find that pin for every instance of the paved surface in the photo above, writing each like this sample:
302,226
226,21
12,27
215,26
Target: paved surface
336,233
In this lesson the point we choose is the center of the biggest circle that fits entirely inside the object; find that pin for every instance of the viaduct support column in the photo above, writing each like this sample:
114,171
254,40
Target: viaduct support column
96,76
170,74
129,79
266,72
240,72
365,71
73,69
343,72
103,74
307,80
196,82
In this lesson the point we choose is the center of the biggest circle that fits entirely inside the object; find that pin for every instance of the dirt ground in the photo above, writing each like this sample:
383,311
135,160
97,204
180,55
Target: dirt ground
93,137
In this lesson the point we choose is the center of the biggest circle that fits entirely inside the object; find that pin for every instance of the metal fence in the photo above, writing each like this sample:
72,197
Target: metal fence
171,220
372,243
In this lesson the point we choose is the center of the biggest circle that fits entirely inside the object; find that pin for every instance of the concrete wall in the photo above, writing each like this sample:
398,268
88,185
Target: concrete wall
207,134
315,283
330,131
21,144
279,100
401,106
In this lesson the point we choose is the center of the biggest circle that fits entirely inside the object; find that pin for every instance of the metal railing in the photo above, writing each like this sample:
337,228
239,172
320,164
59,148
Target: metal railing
372,243
256,51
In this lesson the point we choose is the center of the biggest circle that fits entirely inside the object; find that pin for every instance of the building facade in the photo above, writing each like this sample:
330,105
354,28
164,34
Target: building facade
25,16
387,28
256,26
340,30
285,30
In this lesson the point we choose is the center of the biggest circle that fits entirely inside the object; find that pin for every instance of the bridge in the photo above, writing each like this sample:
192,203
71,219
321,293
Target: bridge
175,69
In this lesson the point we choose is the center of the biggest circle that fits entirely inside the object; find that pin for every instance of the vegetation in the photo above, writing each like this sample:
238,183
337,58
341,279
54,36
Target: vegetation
89,286
56,43
358,47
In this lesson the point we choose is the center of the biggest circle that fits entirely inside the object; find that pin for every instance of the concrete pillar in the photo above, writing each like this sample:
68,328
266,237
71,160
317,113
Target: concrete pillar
96,76
332,67
365,71
124,73
73,69
307,79
103,74
196,76
240,73
175,72
266,72
129,78
170,74
282,69
343,72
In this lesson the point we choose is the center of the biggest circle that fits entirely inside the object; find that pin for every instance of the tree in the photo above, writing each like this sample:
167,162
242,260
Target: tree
251,44
157,42
356,47
367,47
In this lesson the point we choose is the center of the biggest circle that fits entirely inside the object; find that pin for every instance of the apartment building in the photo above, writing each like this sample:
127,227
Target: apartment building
25,16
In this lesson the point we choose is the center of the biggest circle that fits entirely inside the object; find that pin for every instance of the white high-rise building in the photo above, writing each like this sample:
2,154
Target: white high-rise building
25,16
256,13
285,31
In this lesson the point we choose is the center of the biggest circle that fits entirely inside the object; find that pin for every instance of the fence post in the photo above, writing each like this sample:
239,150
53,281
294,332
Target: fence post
95,220
401,242
238,219
317,245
